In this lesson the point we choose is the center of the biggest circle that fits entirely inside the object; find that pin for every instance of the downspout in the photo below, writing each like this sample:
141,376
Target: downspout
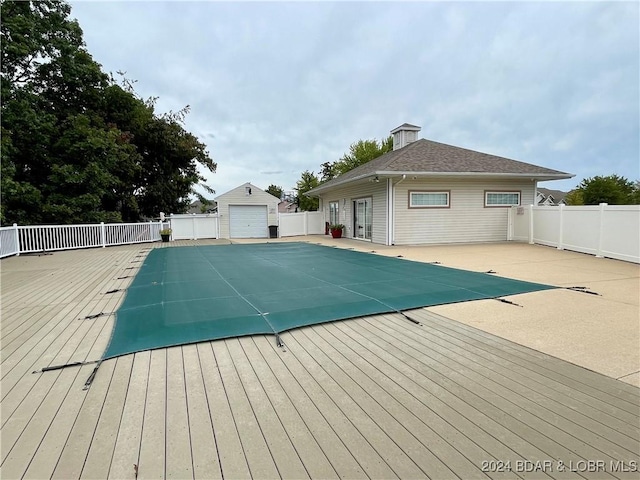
392,215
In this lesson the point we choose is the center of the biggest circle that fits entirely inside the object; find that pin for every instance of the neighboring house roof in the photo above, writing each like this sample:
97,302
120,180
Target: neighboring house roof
286,206
438,159
552,197
196,207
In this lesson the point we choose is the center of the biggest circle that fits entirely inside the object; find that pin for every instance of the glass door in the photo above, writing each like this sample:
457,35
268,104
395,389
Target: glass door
362,219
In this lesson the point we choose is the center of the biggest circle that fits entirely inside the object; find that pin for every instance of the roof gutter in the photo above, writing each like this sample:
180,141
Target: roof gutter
537,176
313,191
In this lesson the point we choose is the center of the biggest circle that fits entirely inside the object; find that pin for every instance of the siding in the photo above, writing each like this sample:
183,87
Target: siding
346,196
238,196
466,221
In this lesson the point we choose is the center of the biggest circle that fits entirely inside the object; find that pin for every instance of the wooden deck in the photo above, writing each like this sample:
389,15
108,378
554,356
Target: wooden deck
376,397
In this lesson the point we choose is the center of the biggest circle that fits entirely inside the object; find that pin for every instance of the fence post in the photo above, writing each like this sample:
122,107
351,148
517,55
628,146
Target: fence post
17,237
531,224
561,227
510,224
102,234
600,230
306,223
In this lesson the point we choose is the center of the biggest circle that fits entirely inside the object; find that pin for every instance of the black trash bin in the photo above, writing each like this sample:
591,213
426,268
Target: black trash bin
273,231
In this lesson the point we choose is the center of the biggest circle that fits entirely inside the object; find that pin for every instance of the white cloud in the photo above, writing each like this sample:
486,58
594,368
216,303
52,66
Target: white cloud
280,88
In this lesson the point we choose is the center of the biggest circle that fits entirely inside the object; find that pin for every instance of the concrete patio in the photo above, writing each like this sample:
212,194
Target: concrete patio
479,389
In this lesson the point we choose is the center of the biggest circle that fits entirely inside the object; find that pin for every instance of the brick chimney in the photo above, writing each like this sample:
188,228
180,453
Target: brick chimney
404,135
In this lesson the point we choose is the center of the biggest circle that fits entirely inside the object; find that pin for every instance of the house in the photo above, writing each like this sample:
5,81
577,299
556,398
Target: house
247,212
425,192
550,197
287,206
197,207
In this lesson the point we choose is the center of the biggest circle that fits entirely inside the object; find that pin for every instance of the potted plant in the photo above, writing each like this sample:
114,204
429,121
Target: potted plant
336,230
165,233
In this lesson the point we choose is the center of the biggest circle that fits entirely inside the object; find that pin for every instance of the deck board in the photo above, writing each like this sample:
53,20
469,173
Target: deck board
309,408
179,463
127,446
367,458
16,462
255,446
231,454
73,456
375,397
497,404
45,460
204,450
505,355
622,395
152,444
427,449
544,391
425,418
527,398
277,438
102,447
306,446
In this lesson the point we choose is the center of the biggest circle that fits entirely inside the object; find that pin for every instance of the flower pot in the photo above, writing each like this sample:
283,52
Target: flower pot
165,238
336,233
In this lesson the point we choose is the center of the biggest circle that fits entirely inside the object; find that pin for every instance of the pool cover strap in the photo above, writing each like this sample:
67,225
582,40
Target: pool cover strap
184,295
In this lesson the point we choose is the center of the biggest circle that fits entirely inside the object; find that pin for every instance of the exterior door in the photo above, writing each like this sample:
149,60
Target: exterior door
362,219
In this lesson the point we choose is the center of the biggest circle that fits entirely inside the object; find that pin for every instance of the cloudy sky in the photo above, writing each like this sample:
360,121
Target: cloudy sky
277,88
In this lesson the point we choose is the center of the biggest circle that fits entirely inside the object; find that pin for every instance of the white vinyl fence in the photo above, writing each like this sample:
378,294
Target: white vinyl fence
42,238
302,223
193,227
602,230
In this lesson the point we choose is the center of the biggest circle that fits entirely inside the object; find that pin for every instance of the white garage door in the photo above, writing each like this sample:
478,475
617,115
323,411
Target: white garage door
248,221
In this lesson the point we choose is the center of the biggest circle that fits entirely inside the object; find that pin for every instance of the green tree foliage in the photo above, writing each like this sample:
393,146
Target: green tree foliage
574,197
307,181
359,153
275,190
611,189
76,145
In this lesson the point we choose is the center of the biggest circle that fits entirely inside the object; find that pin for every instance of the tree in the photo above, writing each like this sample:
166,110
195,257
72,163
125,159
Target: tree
360,152
307,181
574,197
76,145
612,189
275,190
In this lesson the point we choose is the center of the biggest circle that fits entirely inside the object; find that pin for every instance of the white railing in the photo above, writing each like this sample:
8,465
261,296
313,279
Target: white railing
9,242
602,230
43,238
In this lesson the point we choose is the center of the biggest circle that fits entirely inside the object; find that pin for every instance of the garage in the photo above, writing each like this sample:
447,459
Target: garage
248,221
247,212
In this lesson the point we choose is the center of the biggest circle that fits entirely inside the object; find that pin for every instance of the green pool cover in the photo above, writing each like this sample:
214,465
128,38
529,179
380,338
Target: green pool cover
184,295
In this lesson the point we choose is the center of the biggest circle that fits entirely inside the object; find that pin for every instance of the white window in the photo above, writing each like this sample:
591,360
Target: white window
501,199
428,199
334,213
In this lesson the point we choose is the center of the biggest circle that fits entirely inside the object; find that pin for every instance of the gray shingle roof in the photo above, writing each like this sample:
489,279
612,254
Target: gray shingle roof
426,156
406,126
